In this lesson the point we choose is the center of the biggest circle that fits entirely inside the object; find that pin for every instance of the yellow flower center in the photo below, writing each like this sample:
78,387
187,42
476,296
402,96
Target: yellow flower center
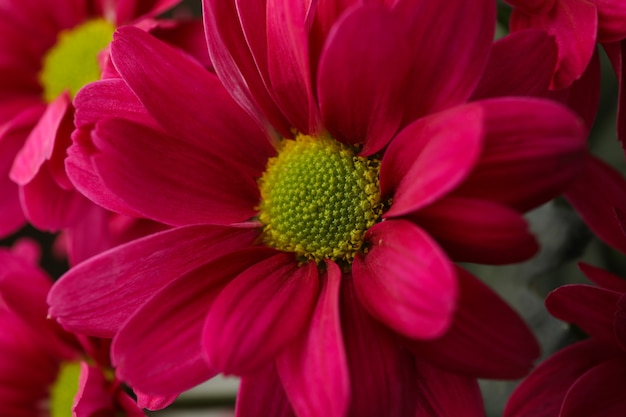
73,61
318,198
64,390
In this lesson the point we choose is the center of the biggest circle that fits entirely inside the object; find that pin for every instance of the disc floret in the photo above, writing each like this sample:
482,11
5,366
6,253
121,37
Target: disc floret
318,198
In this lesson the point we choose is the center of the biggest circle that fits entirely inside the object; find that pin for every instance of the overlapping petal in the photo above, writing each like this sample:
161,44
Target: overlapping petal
313,369
97,296
406,281
262,394
258,313
357,105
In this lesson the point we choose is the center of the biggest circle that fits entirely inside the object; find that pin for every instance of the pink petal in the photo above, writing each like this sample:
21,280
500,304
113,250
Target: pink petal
599,392
129,10
429,158
487,339
48,206
362,73
600,179
451,41
477,231
94,395
520,64
619,323
259,313
109,98
151,402
97,296
313,369
405,280
262,395
533,149
533,6
207,117
574,25
603,278
171,181
616,52
40,143
543,391
243,73
383,378
288,64
445,394
611,17
168,363
590,308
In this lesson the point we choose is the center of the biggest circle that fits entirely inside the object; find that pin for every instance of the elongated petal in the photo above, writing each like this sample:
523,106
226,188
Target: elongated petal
603,278
406,281
598,392
159,364
259,313
314,369
533,149
262,394
619,323
487,338
478,231
242,72
533,6
446,394
386,385
97,296
362,72
542,392
165,78
616,52
520,64
599,178
590,308
129,10
611,16
288,64
428,158
93,394
574,25
171,181
40,143
451,41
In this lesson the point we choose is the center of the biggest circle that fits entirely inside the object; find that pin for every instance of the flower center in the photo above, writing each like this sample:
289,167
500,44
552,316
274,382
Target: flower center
64,390
73,61
318,198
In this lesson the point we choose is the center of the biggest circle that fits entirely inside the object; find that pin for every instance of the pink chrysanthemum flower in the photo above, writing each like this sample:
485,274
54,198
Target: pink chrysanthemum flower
49,49
317,212
44,370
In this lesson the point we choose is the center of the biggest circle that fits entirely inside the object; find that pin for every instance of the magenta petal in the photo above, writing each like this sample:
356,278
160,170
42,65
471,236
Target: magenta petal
487,339
406,281
259,313
171,181
428,158
533,149
288,64
446,394
617,54
97,296
94,395
451,41
362,72
477,231
574,25
168,363
619,323
599,178
533,6
242,72
542,392
603,278
204,113
262,395
520,64
599,392
313,369
590,308
383,380
611,17
40,143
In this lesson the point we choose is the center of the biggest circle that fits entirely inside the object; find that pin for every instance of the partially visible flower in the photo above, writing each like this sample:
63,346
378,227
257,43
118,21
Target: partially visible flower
587,378
48,51
44,370
319,189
